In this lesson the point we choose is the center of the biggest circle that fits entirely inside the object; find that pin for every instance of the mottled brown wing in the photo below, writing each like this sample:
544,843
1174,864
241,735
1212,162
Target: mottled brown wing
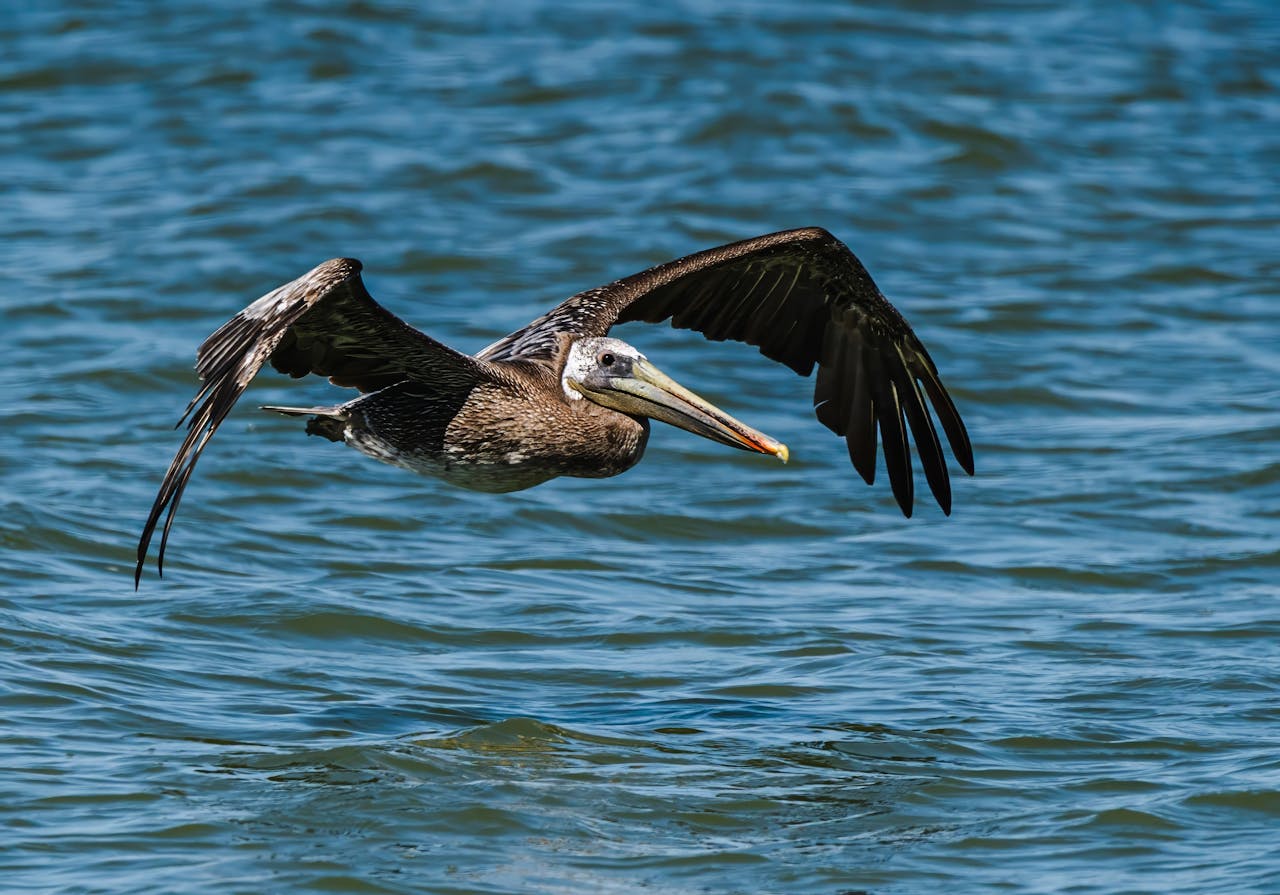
324,322
804,299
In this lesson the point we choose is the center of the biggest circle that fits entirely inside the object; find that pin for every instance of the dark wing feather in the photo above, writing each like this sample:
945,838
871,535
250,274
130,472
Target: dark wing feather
324,322
804,299
589,313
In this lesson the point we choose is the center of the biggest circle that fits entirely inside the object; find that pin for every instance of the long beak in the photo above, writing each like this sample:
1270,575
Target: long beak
650,392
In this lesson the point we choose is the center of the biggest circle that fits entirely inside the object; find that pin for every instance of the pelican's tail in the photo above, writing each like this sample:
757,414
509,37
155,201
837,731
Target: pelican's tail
327,422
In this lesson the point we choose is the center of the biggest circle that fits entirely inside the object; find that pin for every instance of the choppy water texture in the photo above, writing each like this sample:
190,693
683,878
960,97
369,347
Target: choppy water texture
713,673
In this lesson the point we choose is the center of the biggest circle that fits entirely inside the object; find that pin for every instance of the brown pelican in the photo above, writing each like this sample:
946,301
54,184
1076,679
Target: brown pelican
560,397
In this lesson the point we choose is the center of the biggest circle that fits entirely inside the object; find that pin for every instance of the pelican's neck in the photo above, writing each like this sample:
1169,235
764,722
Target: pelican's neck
577,364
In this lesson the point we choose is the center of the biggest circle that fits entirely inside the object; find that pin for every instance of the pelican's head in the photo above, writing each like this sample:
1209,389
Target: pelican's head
614,374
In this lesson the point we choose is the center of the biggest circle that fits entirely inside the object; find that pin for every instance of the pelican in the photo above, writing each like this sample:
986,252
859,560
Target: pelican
561,397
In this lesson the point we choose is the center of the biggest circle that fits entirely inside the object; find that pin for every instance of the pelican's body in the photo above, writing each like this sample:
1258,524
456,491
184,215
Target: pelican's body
560,397
508,435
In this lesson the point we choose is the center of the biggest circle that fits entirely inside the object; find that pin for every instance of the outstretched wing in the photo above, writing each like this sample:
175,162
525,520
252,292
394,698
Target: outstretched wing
804,299
324,322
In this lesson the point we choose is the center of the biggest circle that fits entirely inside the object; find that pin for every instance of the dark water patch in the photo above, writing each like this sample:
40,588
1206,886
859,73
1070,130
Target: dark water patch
1265,801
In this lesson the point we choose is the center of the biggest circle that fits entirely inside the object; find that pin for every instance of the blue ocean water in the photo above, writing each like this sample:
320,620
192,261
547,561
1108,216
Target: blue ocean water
713,673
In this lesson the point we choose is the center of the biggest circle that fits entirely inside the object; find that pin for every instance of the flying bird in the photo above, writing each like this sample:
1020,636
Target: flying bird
560,397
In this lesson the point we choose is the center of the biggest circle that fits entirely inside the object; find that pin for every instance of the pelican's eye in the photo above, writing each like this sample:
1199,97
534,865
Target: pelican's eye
607,359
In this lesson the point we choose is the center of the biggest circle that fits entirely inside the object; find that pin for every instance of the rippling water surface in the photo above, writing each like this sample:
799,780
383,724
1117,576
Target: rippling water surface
713,673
